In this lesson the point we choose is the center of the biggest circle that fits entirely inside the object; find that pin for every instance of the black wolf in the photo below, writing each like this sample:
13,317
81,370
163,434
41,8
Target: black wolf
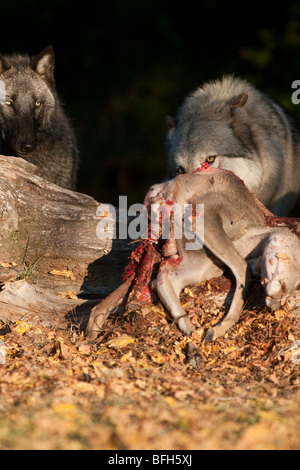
232,125
33,124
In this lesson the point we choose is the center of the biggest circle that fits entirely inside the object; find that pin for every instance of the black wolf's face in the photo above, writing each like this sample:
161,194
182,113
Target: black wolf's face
26,110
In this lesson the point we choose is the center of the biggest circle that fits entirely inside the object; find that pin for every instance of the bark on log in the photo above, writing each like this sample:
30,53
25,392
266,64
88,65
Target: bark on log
48,238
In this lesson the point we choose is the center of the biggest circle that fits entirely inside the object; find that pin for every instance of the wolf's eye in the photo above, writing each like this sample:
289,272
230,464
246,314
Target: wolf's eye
210,159
180,171
8,102
38,103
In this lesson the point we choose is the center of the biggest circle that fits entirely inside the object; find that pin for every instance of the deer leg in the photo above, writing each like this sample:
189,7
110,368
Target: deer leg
174,274
222,247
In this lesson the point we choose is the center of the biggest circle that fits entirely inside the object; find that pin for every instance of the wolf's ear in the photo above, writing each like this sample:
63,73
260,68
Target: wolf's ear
171,122
238,101
43,65
3,65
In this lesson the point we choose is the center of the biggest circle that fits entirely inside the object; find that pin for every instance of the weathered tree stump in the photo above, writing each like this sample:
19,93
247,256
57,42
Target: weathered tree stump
48,240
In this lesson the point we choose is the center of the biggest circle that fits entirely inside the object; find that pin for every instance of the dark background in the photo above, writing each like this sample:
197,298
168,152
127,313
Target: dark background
122,65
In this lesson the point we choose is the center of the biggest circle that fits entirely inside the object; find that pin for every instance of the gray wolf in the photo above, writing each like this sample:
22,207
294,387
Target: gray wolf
231,125
33,124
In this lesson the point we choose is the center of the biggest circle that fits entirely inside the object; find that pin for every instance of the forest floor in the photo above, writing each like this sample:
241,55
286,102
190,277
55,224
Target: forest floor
135,387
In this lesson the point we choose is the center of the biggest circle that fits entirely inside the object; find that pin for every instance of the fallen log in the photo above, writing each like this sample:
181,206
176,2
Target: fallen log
48,239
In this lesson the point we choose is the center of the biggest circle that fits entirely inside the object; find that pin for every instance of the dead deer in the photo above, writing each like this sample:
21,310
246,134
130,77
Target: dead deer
236,236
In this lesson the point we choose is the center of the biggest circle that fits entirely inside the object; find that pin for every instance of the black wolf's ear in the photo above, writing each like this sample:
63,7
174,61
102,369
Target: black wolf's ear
43,64
171,122
3,65
238,101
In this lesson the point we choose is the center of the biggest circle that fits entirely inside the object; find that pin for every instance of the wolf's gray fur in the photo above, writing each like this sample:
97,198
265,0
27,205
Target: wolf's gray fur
232,125
33,124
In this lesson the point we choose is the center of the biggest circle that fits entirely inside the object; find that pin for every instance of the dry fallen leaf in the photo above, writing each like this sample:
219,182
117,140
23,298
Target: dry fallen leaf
283,257
65,272
280,314
71,294
120,341
134,387
104,213
188,291
126,356
171,401
158,358
84,349
22,327
65,410
8,265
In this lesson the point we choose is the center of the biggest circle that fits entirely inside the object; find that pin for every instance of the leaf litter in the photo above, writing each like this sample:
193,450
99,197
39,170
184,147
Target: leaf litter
142,385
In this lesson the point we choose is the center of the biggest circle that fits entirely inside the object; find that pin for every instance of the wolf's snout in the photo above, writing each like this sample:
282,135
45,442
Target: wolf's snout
27,147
